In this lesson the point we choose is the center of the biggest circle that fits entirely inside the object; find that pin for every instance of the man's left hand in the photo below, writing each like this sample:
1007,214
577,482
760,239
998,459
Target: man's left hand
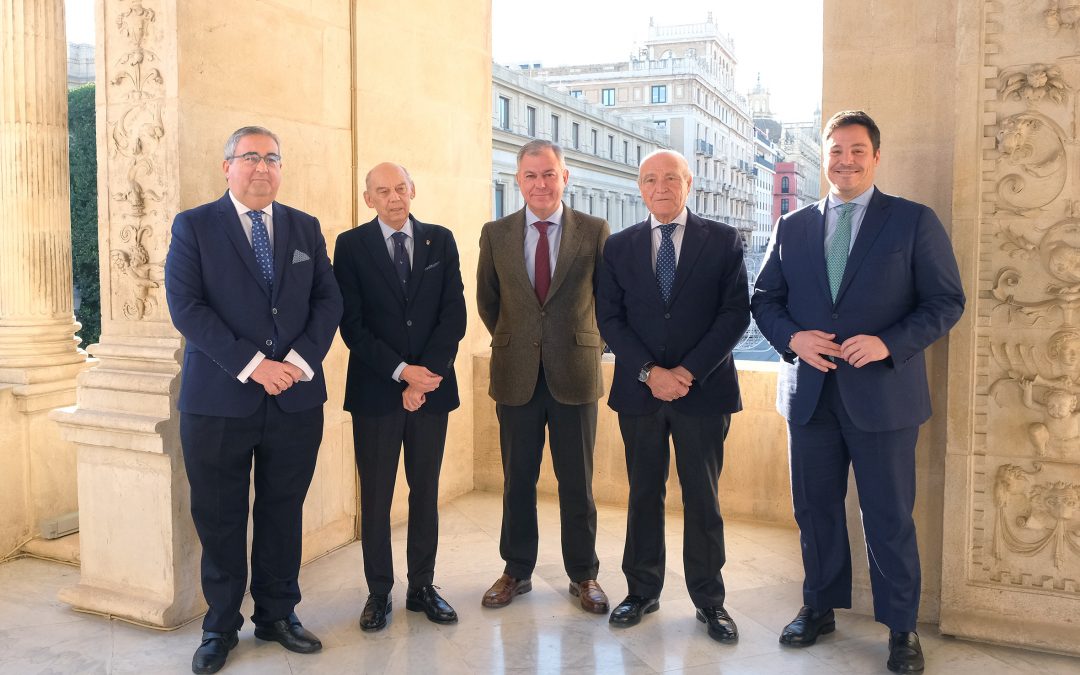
863,349
412,398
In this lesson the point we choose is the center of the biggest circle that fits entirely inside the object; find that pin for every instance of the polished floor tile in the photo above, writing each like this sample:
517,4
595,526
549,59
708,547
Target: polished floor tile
544,631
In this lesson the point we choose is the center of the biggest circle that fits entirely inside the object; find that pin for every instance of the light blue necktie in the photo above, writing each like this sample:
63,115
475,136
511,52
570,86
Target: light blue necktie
665,261
836,258
260,242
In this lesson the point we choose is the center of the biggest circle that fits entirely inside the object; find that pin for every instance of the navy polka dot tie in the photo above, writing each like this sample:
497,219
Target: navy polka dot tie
260,241
665,261
401,257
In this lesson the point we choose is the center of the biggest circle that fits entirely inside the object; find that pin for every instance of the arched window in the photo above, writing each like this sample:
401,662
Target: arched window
785,185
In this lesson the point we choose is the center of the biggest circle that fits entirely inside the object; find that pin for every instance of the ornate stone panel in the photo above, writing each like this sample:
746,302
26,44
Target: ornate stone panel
136,155
1023,482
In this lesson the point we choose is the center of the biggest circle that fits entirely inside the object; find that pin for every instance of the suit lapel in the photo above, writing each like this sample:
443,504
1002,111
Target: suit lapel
282,244
568,248
421,246
235,232
371,236
693,240
641,250
815,244
877,212
515,248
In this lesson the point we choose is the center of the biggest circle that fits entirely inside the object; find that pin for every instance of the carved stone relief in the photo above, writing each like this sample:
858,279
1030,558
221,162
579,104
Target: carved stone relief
136,172
1025,529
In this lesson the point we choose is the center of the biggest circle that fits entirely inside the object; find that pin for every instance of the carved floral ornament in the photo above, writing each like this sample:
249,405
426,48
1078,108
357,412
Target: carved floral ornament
1033,84
1062,14
136,153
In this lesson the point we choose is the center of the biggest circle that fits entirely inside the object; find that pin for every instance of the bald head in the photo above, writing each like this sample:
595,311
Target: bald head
389,190
664,180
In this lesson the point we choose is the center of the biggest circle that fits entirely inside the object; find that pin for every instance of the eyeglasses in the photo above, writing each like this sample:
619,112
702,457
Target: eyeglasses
252,159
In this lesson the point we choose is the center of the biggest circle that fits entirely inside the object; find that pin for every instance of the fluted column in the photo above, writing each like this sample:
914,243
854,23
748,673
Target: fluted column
37,325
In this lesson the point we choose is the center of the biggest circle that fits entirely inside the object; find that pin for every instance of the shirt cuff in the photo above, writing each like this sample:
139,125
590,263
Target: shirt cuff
398,371
245,374
298,361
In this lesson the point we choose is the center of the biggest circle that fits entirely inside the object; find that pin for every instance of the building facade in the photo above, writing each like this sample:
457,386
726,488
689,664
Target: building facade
766,154
682,82
602,149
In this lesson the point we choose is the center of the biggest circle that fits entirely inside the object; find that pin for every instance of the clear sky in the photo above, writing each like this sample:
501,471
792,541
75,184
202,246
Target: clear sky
781,39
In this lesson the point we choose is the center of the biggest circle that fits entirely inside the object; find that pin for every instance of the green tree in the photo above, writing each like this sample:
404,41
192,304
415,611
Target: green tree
82,148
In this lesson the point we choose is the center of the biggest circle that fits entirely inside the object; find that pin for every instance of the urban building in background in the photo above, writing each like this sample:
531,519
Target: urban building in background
80,65
602,149
682,82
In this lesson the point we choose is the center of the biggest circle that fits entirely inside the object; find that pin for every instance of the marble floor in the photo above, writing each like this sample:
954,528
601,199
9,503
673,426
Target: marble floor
541,632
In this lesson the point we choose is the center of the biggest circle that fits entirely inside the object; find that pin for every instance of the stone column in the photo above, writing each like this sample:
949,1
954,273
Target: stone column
138,547
39,355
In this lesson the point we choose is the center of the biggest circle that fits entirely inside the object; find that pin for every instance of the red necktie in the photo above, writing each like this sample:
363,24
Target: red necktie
542,262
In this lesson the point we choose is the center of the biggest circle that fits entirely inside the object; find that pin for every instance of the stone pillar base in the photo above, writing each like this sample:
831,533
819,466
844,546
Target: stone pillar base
139,549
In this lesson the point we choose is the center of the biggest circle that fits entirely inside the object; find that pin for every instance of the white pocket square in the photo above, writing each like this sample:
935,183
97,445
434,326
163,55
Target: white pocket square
299,256
433,265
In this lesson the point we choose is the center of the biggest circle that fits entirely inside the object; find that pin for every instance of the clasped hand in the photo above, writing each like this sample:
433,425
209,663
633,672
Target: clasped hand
813,346
421,381
668,385
276,376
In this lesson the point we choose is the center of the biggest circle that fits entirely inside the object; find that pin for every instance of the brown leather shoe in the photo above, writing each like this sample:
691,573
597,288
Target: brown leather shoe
504,589
593,598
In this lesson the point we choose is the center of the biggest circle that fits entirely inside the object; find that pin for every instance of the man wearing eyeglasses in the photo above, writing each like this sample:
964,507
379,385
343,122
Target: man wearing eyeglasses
249,286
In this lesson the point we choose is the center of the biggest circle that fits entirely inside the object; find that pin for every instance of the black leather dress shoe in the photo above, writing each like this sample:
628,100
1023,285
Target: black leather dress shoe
290,634
427,600
905,653
807,625
721,626
211,654
630,610
376,609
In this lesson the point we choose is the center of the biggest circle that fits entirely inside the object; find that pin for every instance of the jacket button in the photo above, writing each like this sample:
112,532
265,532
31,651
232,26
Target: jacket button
269,343
667,316
835,315
274,310
536,344
408,322
543,314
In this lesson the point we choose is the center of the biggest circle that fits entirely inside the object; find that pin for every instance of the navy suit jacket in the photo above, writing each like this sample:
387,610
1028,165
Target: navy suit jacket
699,326
220,304
901,283
385,323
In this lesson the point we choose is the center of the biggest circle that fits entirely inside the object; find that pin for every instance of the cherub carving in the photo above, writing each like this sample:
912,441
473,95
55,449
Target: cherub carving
1056,366
1058,435
1051,505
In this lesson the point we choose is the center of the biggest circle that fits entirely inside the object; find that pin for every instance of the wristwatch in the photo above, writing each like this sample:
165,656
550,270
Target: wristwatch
643,376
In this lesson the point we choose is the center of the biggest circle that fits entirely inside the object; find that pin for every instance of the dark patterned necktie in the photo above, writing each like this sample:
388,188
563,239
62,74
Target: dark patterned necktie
665,261
401,257
542,262
260,242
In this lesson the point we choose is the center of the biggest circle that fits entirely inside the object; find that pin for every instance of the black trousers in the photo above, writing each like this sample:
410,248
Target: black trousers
572,430
378,442
699,458
218,455
822,450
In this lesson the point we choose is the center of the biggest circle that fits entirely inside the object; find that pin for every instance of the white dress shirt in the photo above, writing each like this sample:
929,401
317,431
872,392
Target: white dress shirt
676,236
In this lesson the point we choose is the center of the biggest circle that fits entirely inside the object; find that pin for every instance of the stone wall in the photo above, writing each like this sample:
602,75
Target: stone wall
754,484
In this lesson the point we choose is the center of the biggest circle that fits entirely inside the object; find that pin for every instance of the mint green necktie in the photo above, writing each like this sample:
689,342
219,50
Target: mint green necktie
836,258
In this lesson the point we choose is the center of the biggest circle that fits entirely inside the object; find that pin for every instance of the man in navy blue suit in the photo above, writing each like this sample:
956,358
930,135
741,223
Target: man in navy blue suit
672,303
404,317
249,286
852,291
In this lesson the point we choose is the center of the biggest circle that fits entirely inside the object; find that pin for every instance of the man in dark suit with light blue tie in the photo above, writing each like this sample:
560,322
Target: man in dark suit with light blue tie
249,286
852,291
404,317
672,303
